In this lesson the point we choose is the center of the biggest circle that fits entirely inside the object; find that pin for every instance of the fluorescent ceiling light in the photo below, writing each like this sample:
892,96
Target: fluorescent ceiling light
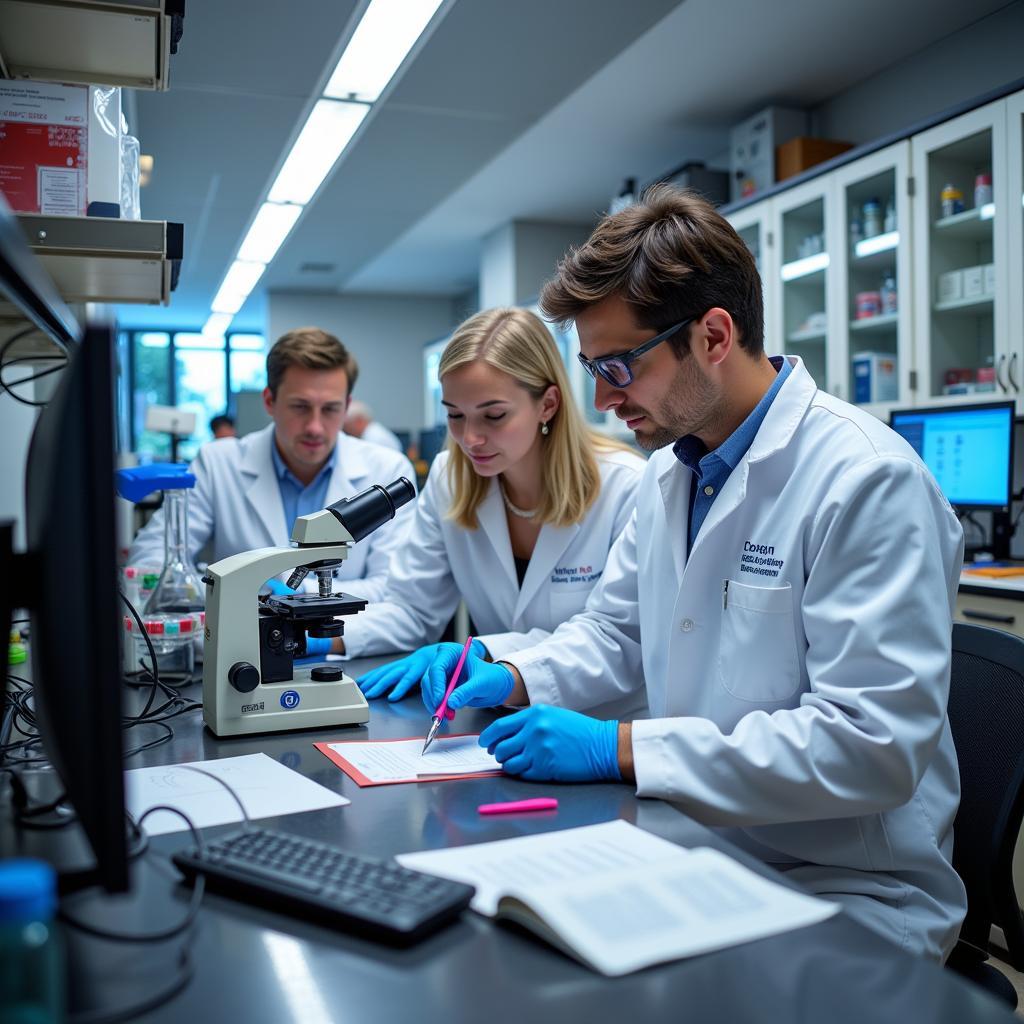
987,212
877,243
382,40
808,265
325,134
216,325
268,231
240,279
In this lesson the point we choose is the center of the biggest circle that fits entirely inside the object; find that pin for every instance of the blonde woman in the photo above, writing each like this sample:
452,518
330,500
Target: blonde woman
516,517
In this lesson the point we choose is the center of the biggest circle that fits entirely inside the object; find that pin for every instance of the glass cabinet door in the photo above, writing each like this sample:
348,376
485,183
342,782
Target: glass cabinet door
805,227
874,279
753,225
1015,233
960,178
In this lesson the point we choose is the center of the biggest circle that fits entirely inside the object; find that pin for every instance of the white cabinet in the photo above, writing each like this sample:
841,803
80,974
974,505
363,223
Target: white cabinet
873,326
899,277
803,296
1015,245
753,224
961,312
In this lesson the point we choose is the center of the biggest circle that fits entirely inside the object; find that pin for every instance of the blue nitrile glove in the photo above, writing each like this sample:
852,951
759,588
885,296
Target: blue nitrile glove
396,679
276,586
482,684
317,646
543,742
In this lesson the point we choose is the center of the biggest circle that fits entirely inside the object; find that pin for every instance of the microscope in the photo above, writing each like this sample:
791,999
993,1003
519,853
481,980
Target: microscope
250,681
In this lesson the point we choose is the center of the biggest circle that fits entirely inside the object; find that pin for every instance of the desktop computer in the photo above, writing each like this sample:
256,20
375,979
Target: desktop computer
969,450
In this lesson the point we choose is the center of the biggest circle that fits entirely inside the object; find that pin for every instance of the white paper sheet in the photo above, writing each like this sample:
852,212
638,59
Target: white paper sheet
265,786
397,760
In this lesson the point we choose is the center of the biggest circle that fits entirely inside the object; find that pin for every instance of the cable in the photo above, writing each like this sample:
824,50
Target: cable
184,974
166,933
7,386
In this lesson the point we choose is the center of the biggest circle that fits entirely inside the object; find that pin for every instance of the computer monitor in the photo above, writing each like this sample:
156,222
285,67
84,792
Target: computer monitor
968,448
67,579
432,440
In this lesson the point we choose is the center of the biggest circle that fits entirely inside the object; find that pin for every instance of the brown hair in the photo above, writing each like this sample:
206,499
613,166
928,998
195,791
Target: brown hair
516,342
312,348
671,256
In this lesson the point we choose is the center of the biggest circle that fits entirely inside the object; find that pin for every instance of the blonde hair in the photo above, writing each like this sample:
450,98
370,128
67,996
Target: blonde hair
516,342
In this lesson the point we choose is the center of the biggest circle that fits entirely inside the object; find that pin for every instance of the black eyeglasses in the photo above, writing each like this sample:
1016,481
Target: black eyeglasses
615,369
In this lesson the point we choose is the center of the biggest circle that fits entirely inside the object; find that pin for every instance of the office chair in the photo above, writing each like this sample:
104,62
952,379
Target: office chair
986,715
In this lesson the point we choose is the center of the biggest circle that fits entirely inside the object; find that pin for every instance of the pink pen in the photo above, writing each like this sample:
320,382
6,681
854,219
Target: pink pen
442,711
539,803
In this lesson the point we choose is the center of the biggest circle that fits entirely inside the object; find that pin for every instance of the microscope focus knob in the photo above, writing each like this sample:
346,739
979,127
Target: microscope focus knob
244,677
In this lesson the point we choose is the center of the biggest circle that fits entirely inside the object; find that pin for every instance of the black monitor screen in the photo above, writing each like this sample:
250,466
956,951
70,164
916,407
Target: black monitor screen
71,547
968,448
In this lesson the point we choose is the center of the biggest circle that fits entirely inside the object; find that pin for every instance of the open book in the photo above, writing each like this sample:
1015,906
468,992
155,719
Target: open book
618,898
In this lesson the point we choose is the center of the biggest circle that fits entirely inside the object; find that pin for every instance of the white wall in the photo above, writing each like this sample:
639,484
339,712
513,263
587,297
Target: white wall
518,257
16,423
983,56
385,332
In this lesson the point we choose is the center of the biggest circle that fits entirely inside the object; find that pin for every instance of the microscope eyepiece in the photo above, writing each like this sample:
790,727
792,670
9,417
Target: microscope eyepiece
364,512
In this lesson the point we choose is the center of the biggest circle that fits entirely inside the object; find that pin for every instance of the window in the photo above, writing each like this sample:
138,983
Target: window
191,371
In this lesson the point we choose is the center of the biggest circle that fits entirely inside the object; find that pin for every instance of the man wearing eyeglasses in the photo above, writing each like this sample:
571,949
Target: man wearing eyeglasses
784,592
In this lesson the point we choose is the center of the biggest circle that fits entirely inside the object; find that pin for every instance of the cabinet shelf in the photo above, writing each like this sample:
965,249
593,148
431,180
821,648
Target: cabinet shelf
974,224
866,325
99,259
967,307
114,42
806,337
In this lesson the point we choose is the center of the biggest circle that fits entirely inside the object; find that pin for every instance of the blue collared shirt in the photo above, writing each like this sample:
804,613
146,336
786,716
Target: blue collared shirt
712,469
301,499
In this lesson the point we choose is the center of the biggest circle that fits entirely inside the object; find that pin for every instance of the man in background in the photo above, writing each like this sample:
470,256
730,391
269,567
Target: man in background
360,423
222,426
250,490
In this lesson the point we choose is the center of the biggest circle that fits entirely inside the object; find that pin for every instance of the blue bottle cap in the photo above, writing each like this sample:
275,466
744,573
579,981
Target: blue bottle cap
28,891
138,481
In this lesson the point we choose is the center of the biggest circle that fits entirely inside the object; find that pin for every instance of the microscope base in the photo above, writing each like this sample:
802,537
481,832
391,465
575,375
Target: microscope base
301,703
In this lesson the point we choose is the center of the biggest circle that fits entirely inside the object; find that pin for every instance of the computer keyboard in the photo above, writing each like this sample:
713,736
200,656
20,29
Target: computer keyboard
368,896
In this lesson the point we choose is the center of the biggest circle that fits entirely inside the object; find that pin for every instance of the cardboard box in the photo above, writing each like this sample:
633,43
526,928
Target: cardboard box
797,155
950,286
974,282
989,274
752,146
875,377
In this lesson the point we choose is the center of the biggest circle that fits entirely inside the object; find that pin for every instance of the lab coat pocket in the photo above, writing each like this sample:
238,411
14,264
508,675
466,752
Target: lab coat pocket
757,657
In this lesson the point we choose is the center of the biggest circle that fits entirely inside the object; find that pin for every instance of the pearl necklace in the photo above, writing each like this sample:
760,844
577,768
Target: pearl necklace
523,513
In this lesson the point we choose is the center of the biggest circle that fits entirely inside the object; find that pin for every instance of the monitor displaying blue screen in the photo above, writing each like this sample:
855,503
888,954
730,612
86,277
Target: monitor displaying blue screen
969,450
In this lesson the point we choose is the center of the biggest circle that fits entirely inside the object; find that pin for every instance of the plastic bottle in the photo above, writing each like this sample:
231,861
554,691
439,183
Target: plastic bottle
31,959
890,301
890,216
951,200
983,189
872,218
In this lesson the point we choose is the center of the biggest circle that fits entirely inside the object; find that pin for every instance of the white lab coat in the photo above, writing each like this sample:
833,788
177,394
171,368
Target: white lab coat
804,710
440,561
377,433
236,503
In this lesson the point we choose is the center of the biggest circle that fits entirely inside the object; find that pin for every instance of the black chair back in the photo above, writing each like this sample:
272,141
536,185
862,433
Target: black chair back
986,715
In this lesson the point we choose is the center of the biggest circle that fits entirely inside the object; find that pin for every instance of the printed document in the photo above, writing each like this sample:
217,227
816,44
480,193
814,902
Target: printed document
266,788
376,763
618,898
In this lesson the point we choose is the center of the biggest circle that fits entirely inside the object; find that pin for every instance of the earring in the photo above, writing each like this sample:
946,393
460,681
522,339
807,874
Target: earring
545,429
